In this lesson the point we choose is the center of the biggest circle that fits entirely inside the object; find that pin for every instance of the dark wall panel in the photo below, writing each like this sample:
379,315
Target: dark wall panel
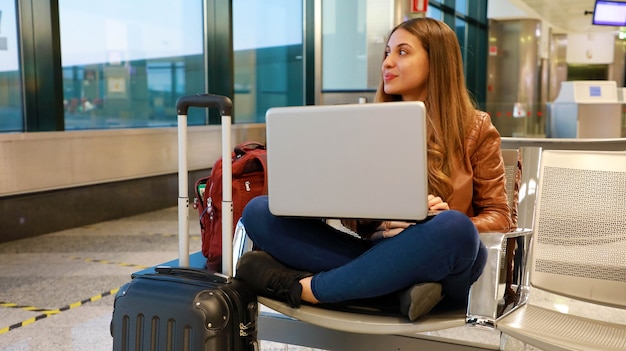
40,213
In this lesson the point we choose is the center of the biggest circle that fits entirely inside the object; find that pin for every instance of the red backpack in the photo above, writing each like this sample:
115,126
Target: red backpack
249,180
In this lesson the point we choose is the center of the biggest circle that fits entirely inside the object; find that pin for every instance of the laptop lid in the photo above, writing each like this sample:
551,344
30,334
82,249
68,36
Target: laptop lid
348,161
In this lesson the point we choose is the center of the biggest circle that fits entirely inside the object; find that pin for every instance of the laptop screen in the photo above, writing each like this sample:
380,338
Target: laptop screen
348,161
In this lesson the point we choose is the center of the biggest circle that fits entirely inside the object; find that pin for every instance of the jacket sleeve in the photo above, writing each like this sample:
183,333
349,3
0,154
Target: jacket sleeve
489,201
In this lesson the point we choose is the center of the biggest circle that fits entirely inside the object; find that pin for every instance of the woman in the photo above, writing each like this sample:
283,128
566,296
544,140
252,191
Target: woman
306,260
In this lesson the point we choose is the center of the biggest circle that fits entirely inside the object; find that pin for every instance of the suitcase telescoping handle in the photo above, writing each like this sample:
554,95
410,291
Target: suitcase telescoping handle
225,106
204,100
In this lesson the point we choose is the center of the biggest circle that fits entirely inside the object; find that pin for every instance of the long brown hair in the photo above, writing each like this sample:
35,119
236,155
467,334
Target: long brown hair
449,107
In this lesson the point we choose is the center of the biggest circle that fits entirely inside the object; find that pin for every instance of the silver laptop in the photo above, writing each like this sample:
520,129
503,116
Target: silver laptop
348,161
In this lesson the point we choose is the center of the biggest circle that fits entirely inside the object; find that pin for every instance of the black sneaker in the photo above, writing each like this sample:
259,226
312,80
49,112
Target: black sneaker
270,278
419,299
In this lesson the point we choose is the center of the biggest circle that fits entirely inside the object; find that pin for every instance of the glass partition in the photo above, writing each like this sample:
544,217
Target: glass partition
354,33
11,116
434,12
126,62
269,56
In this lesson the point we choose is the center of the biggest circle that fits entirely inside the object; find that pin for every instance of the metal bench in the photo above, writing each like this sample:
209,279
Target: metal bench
578,255
487,300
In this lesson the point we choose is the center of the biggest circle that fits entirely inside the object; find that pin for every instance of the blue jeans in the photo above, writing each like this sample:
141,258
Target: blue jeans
444,249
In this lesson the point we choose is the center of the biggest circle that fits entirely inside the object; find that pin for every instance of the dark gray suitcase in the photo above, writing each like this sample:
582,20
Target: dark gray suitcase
184,309
174,308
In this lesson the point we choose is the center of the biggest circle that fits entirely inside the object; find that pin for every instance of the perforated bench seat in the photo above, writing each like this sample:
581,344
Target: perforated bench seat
552,330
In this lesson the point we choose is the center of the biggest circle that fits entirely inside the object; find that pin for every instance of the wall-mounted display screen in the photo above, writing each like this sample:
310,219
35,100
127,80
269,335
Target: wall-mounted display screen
609,13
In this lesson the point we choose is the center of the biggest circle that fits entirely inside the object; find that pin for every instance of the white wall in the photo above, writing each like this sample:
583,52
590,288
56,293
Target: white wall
591,48
509,9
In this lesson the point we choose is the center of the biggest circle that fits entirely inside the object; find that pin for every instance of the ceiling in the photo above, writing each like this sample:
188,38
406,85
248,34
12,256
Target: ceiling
566,16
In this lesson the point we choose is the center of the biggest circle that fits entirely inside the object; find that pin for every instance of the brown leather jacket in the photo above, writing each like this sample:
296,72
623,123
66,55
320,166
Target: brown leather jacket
478,183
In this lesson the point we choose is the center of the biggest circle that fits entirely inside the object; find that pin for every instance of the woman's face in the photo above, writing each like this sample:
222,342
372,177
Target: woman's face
406,67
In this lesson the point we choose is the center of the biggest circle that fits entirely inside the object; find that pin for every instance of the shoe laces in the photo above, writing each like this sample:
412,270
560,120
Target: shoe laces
282,285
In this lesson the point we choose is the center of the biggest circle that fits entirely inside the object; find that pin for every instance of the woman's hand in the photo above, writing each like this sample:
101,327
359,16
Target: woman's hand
390,228
436,203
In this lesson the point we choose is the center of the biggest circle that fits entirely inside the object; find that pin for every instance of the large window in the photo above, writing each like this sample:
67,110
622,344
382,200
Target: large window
353,42
469,20
434,12
126,62
11,118
269,56
354,33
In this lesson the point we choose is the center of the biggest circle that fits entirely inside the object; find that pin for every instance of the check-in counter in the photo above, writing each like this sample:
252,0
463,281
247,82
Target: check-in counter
585,109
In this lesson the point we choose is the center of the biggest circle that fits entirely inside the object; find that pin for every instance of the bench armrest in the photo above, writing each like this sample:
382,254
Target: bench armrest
493,295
